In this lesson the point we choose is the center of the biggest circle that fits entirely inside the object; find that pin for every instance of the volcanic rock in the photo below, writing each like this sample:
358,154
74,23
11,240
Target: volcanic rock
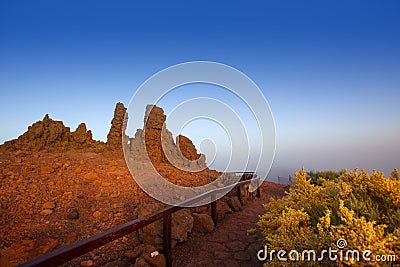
72,213
87,263
187,148
156,142
81,136
203,223
182,224
49,205
235,204
114,137
222,210
52,136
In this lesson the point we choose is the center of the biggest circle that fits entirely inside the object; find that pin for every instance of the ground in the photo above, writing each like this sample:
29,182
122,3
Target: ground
49,200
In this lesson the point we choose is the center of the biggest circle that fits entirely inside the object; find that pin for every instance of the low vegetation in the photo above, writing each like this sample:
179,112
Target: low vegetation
324,207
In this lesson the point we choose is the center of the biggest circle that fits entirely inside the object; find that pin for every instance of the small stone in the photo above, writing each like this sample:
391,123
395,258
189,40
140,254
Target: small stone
46,212
91,176
156,260
47,170
96,214
78,170
87,263
49,205
111,169
72,214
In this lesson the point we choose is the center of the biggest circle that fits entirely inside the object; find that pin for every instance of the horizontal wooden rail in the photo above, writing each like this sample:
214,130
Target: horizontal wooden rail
74,250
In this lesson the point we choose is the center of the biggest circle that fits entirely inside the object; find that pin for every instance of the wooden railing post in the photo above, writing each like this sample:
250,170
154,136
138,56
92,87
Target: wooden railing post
167,239
214,209
239,193
258,192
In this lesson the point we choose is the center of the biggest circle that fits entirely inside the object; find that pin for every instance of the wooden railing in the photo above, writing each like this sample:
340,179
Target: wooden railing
74,250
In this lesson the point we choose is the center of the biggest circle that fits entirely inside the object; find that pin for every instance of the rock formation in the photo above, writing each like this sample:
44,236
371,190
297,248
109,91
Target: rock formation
156,141
114,137
182,224
52,136
187,148
49,135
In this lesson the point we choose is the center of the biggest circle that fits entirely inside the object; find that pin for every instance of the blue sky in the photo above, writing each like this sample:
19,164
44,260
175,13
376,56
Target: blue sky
329,69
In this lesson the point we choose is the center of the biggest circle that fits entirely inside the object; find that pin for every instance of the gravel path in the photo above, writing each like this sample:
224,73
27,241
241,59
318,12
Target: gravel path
229,244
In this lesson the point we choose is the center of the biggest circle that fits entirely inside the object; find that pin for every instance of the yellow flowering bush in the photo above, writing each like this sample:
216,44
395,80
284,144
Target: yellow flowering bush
361,208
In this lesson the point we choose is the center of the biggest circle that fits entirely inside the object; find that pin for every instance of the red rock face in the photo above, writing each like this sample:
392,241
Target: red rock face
187,148
114,137
49,135
154,128
174,162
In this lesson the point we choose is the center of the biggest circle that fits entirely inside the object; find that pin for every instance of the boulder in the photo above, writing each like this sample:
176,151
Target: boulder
222,209
203,223
182,224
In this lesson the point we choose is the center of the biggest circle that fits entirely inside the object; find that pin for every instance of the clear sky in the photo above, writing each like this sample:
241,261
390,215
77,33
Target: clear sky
329,69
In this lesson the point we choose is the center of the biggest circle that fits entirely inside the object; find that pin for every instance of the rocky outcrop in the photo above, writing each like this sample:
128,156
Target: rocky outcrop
49,135
187,148
114,137
52,136
182,224
203,223
81,136
156,141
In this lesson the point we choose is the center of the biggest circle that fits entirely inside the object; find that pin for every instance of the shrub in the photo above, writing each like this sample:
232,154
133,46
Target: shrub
362,208
328,175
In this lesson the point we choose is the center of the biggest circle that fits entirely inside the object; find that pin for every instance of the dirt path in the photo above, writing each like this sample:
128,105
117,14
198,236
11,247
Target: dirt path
228,244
